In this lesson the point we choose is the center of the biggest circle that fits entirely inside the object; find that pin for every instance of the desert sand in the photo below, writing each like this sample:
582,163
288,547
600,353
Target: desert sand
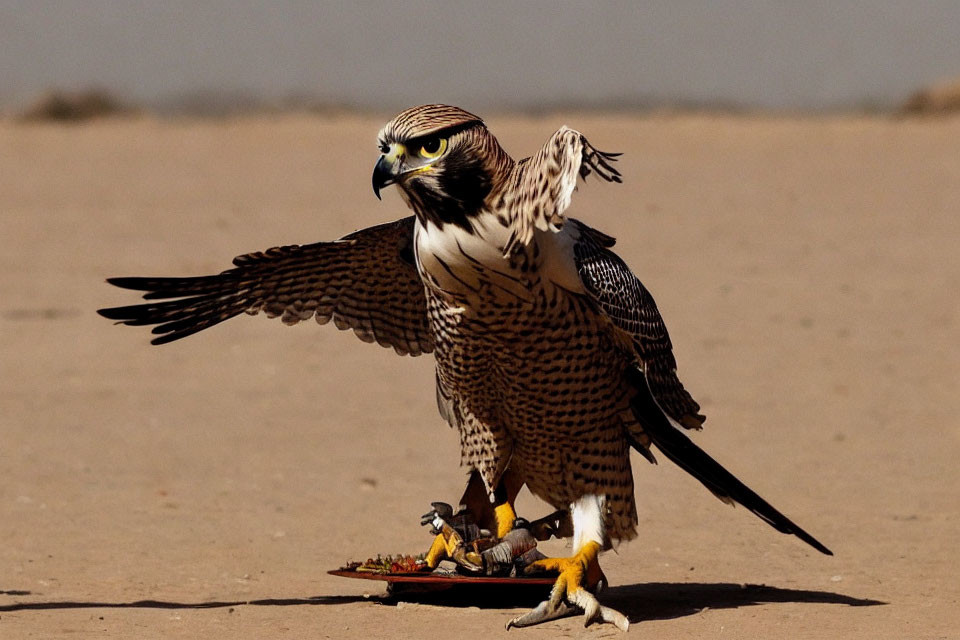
807,269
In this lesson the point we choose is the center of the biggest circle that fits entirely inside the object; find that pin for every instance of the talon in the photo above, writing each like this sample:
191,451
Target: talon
543,612
588,602
593,611
615,618
579,575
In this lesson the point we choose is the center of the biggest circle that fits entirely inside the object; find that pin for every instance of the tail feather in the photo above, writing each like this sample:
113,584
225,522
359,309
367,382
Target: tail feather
695,461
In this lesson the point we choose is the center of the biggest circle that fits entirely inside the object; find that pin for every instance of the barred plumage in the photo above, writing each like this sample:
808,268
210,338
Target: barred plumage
552,358
365,281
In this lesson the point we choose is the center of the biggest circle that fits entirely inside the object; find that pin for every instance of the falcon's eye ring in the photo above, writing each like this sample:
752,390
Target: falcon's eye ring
432,147
384,147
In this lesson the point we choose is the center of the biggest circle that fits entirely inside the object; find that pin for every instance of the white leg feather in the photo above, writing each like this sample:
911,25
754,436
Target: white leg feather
587,513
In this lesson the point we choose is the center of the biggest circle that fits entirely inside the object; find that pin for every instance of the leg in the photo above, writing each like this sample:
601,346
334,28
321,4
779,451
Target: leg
579,576
494,513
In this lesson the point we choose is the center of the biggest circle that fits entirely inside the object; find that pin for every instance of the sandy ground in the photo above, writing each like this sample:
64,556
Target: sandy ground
807,269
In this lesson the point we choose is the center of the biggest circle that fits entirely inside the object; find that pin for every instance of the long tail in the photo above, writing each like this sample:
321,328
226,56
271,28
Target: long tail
695,461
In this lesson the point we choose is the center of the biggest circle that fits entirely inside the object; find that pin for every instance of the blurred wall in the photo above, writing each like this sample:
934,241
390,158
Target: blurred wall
379,54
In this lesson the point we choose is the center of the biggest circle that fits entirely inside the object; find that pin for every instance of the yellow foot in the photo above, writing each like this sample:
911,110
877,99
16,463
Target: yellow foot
505,517
448,543
579,575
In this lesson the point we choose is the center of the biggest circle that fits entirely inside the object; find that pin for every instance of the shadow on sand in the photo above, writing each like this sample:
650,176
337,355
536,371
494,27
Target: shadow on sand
646,601
665,600
163,604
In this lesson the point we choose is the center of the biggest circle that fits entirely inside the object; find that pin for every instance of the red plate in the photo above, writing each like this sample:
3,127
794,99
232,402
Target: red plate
442,579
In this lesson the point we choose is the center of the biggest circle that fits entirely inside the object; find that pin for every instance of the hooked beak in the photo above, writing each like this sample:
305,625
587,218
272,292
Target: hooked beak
388,168
383,175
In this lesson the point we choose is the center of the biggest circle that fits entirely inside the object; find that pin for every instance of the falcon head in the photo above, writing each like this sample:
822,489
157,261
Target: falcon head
444,161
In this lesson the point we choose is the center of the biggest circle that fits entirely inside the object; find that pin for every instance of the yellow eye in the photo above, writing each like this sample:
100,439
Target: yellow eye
432,147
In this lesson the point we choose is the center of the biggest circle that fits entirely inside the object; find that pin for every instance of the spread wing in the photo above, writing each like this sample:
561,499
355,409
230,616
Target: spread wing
546,182
365,281
630,307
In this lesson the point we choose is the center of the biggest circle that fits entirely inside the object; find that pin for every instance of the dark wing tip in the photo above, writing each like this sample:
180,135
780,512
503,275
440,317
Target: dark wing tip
693,421
598,161
134,283
813,542
169,336
115,313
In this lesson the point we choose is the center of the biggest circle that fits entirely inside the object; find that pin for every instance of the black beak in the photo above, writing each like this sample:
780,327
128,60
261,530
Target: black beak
382,175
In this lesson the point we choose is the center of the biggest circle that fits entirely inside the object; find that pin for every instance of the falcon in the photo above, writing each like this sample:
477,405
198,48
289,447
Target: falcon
552,359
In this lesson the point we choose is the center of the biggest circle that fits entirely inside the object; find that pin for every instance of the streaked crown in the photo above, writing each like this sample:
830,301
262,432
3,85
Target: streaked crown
426,119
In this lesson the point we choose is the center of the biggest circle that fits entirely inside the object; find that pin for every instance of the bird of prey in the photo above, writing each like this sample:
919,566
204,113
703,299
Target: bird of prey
552,360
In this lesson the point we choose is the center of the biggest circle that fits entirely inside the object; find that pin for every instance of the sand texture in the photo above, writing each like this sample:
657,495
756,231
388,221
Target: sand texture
806,268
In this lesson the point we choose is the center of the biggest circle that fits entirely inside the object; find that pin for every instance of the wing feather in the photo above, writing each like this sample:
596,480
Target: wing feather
630,307
547,180
366,281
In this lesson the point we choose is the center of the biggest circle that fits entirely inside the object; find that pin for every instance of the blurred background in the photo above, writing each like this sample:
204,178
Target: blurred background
221,55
